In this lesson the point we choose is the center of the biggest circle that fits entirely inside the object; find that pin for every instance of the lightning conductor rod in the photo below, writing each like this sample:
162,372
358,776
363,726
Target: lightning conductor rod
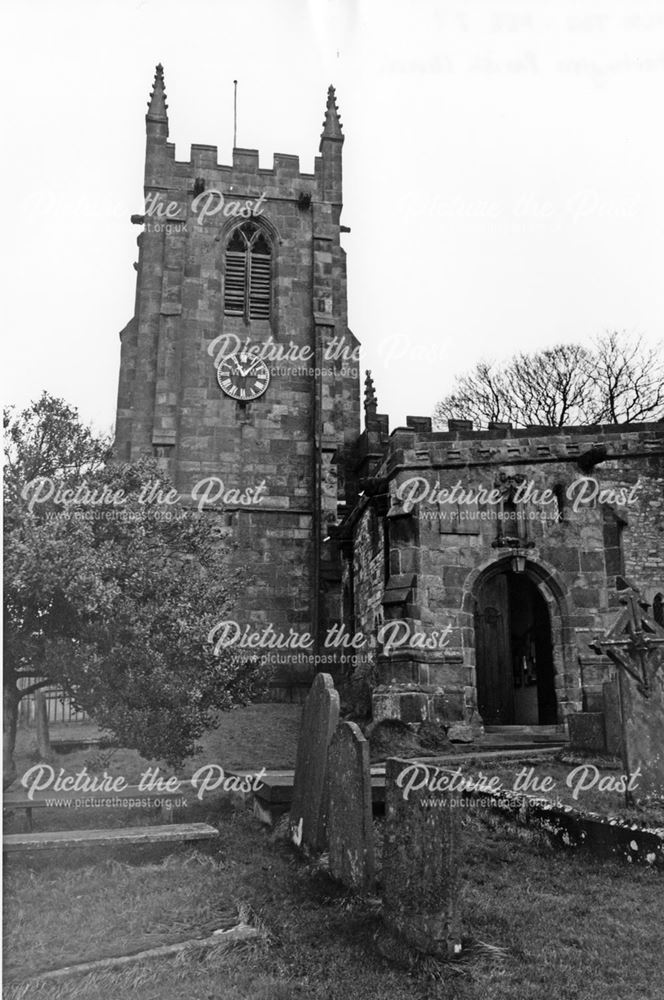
234,113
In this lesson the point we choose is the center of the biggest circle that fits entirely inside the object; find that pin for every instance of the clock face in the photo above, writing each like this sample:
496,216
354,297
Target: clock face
243,376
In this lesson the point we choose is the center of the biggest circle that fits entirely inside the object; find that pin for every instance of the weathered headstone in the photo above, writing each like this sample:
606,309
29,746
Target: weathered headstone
350,820
41,722
586,731
420,874
612,717
308,815
643,738
636,645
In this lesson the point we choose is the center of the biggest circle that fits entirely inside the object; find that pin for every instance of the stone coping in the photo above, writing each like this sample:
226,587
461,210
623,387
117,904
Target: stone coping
571,827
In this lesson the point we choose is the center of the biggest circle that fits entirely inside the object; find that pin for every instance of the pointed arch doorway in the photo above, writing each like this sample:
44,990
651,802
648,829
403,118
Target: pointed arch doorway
514,652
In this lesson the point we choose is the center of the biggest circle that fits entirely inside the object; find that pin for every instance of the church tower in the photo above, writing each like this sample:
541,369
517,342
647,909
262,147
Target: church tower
238,370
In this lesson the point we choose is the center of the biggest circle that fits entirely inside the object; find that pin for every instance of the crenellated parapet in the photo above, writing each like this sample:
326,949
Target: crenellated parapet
243,178
583,446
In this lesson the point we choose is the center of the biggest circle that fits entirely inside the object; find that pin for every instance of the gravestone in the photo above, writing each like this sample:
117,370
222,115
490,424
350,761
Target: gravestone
420,874
350,821
586,731
643,738
612,717
636,645
308,815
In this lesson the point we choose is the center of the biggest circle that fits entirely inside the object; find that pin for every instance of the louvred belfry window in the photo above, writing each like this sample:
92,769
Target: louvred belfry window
248,274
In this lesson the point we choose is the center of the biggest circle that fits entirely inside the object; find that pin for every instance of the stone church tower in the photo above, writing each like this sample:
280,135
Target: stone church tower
238,370
476,565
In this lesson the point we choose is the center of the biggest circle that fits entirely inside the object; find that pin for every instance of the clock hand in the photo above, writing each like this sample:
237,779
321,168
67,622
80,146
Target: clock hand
252,366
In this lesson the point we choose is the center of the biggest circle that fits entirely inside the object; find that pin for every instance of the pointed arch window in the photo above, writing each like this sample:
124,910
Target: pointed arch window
248,273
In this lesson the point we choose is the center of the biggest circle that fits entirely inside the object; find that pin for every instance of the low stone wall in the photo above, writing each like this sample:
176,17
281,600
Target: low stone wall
569,827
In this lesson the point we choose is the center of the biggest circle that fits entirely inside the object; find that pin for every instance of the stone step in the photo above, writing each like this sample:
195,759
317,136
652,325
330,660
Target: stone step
521,737
524,730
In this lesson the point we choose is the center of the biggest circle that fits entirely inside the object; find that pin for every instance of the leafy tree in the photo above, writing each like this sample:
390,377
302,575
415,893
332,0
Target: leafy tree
111,594
48,439
616,380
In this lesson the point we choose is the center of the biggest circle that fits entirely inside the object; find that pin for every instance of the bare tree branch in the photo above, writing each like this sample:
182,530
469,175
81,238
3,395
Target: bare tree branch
618,380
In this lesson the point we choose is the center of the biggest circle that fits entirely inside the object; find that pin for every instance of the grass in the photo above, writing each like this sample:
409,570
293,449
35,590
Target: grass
538,922
143,905
253,736
542,923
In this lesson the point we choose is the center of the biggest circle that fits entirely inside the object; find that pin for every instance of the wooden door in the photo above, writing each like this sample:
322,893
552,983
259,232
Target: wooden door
493,656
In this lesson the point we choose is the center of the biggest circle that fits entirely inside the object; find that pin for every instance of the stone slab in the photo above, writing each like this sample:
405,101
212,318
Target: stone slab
636,646
350,824
421,866
58,839
586,731
643,736
308,815
277,786
612,717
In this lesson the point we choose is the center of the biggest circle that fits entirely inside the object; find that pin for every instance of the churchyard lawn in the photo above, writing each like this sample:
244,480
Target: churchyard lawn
247,737
542,922
537,921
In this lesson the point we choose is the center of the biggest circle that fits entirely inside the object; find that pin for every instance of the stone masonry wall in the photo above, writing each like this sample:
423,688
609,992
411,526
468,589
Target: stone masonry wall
604,520
291,442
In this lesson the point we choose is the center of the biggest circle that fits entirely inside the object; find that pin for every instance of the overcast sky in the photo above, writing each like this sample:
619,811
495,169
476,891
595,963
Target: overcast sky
503,170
